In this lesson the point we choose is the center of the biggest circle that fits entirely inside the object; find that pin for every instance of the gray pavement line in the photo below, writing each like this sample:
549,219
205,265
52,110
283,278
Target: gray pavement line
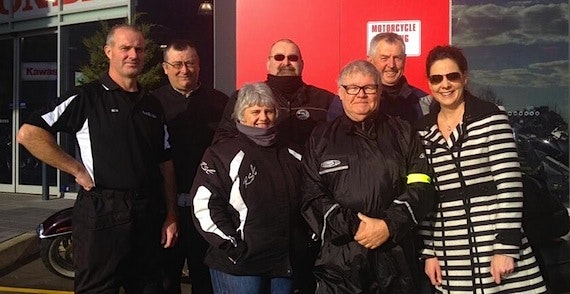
17,249
30,290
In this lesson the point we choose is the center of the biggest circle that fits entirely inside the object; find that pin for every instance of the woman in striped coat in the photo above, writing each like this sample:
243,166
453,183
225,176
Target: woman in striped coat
474,242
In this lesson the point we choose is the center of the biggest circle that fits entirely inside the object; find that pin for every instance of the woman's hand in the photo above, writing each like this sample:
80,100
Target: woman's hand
501,267
433,270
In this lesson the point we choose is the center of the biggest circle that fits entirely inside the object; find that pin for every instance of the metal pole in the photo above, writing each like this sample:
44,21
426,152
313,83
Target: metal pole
45,186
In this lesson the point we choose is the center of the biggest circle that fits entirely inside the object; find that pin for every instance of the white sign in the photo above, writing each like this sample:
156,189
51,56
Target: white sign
410,30
39,71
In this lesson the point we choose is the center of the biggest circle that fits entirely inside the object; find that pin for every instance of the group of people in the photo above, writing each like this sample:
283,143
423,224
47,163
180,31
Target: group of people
285,187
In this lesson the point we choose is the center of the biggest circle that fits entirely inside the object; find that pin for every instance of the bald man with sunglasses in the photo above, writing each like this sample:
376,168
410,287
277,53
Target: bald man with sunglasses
301,106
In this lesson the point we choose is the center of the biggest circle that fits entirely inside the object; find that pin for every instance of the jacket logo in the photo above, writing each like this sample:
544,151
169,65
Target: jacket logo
149,114
251,176
206,169
303,114
330,163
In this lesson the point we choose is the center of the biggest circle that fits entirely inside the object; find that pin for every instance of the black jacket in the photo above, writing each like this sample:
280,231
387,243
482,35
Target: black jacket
246,205
351,168
191,123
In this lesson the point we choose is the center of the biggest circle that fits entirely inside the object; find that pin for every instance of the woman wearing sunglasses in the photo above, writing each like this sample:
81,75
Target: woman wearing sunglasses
473,241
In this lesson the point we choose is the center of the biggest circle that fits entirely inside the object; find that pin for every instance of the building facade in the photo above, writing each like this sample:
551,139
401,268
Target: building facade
41,53
517,51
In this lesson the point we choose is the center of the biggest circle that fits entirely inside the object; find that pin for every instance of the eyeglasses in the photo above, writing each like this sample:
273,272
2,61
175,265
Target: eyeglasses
452,77
179,65
281,57
354,90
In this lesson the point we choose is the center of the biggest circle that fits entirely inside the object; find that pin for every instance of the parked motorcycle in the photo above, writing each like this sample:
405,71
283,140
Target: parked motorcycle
56,243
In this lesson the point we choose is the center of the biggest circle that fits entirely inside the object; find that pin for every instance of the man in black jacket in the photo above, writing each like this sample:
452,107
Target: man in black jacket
366,185
387,53
301,106
192,112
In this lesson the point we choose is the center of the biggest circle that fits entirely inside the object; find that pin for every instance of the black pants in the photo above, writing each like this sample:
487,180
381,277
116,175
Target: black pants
190,247
116,242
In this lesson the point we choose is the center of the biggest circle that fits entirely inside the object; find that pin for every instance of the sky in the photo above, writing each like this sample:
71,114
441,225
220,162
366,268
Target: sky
517,49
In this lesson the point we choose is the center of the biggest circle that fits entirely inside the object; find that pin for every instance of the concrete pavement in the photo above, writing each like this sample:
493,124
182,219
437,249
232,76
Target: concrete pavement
20,214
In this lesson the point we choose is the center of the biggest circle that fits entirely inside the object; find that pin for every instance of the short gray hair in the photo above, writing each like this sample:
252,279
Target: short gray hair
390,38
111,34
251,95
359,66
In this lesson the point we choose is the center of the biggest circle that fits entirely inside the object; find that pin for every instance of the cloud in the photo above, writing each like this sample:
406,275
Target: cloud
536,75
518,23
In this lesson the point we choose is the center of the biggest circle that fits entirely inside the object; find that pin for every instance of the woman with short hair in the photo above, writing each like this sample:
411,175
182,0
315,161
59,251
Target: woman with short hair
246,201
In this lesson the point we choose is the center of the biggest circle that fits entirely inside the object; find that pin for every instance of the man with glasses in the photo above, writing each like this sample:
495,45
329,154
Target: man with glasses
301,106
387,53
366,186
193,111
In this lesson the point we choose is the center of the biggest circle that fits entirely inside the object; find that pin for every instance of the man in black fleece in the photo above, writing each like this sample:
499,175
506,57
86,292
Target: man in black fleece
192,111
301,106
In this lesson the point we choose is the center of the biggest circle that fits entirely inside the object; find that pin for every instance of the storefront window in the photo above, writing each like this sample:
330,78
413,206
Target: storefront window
38,85
518,57
6,107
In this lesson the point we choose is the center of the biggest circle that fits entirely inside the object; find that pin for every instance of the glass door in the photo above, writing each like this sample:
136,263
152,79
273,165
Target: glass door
37,85
6,115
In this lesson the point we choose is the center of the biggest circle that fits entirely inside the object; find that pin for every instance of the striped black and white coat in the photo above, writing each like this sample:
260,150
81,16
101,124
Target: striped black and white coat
479,210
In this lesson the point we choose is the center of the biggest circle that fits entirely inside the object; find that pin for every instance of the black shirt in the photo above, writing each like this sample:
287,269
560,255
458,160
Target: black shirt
121,136
191,124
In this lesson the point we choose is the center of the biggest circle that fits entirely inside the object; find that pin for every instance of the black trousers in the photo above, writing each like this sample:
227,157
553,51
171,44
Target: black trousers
190,247
116,242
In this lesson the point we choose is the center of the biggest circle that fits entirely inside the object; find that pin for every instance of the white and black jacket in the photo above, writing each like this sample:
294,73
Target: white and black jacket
246,205
479,210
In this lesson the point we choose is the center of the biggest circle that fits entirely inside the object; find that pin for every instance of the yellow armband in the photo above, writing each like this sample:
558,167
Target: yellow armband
418,178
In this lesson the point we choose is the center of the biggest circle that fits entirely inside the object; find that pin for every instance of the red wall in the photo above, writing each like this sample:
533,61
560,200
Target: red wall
330,33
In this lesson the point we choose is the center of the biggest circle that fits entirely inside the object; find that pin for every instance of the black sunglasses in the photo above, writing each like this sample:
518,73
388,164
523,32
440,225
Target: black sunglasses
452,77
281,57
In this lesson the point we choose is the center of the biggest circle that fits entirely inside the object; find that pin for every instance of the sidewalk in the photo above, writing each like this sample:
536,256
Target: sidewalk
20,214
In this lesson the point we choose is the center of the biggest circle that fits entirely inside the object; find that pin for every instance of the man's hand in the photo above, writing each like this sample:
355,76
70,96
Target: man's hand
84,179
372,232
433,271
169,232
501,267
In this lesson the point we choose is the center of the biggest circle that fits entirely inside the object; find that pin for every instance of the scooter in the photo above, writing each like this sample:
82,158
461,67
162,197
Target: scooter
56,243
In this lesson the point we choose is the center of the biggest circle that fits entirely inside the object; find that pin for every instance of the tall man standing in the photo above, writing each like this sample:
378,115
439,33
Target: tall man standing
301,106
193,112
123,173
387,52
